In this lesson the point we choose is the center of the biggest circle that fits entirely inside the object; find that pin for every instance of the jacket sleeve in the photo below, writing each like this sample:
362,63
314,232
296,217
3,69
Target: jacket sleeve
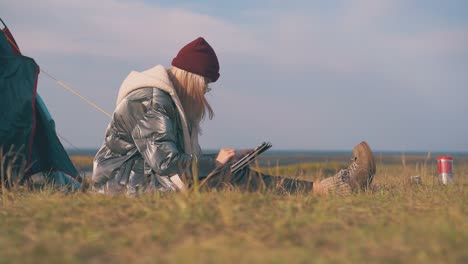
155,137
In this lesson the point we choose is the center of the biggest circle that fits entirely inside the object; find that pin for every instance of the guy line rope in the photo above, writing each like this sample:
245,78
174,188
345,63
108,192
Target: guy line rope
62,84
68,88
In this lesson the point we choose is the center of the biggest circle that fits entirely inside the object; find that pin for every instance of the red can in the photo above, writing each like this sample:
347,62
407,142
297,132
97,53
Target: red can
445,168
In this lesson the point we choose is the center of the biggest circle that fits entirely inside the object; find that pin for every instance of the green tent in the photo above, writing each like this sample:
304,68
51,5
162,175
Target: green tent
27,131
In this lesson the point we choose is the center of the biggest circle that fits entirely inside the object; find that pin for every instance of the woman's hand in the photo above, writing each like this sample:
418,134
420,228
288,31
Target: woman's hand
224,155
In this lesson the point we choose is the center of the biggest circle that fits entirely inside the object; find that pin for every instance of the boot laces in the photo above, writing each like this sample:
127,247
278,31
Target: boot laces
353,166
346,173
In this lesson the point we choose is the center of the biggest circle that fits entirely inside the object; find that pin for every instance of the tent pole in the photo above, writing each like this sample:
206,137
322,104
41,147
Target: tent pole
3,23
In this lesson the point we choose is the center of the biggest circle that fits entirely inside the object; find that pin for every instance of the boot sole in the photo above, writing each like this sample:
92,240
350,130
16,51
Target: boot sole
372,166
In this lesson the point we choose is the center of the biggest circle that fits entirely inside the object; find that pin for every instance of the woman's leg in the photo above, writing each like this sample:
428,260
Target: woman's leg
250,180
358,176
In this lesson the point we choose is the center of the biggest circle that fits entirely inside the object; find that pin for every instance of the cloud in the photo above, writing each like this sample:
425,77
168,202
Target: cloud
351,39
119,29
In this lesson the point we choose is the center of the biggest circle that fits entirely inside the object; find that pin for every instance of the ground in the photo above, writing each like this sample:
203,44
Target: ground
394,222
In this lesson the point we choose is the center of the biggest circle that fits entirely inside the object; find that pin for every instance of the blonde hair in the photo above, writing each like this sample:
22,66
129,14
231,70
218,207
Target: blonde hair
191,89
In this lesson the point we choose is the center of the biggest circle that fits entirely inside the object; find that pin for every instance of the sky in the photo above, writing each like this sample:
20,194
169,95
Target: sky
309,75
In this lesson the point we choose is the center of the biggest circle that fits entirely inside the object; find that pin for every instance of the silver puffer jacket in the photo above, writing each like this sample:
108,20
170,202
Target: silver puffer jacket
148,144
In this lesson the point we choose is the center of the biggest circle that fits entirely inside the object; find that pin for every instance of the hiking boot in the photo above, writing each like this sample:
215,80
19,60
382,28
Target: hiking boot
358,176
362,171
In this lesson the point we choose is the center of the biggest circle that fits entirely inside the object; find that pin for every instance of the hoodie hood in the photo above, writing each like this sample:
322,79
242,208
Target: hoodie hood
154,77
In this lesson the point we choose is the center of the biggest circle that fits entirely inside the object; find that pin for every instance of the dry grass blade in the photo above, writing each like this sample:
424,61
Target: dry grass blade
13,169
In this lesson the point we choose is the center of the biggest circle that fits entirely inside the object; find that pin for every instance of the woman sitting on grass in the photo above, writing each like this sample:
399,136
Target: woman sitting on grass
152,141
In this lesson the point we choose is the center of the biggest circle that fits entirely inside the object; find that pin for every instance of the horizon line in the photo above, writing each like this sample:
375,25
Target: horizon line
316,150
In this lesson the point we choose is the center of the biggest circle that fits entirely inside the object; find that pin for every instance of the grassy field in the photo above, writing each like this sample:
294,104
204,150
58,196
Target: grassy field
395,222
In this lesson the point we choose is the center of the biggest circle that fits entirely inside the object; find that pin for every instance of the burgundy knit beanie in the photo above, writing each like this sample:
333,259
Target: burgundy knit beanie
198,57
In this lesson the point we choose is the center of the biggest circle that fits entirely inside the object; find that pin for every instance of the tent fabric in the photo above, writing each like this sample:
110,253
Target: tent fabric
17,81
25,123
